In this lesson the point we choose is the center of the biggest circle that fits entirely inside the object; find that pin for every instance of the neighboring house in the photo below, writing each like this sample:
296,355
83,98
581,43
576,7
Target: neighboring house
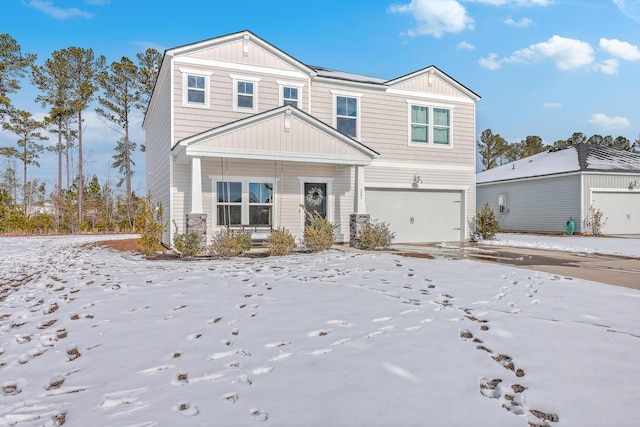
542,192
241,134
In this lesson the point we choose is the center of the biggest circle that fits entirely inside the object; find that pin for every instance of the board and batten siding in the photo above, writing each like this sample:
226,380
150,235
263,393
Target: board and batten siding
539,204
268,136
288,213
234,52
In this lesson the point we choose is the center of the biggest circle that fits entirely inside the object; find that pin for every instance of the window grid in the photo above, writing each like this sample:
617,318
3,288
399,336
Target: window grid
245,94
290,96
429,125
347,115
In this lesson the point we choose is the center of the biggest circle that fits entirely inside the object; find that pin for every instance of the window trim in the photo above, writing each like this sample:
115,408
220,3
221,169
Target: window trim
244,209
186,72
334,113
247,79
430,123
282,85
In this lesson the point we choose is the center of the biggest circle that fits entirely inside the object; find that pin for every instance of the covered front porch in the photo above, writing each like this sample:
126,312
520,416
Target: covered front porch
257,174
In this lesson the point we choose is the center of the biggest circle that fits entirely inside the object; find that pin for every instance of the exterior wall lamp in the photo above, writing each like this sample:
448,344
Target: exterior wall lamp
633,184
417,180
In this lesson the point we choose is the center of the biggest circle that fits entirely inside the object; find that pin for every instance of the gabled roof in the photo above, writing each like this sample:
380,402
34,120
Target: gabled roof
435,70
321,143
358,78
217,41
574,158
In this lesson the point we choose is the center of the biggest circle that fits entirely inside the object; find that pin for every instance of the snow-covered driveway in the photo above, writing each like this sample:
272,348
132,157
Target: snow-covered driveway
95,337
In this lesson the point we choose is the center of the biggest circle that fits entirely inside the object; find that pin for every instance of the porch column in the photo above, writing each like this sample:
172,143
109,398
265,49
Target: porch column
196,186
358,220
196,219
360,202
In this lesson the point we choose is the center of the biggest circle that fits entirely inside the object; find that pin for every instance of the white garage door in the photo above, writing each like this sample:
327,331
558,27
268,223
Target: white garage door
622,211
418,215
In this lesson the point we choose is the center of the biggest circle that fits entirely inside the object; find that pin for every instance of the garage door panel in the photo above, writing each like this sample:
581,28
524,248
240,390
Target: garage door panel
418,216
621,209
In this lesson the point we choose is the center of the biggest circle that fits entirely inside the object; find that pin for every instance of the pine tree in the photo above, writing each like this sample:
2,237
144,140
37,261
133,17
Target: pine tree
492,149
53,80
119,84
13,64
83,68
149,63
27,129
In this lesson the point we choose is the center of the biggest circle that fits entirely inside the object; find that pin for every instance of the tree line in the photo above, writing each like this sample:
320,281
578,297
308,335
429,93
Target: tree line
68,83
495,151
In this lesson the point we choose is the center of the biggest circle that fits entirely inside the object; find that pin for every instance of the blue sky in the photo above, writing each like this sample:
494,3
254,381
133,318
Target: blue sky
542,67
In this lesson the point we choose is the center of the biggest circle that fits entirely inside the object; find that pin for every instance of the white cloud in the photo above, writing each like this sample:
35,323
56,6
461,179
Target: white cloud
631,8
552,105
568,54
606,122
435,17
608,66
490,62
465,46
523,23
622,50
48,8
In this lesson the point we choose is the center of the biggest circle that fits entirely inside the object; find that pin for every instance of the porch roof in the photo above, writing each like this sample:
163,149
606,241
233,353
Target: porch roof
285,133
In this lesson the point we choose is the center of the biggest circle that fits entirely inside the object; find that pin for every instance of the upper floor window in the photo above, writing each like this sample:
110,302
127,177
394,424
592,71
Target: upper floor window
195,85
290,93
245,93
429,124
419,123
346,118
441,126
195,89
290,96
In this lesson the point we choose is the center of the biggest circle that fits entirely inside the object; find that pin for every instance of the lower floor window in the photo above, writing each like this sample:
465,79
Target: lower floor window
244,203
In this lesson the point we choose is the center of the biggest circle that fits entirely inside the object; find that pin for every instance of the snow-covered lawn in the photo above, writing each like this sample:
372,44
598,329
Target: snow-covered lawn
92,337
582,244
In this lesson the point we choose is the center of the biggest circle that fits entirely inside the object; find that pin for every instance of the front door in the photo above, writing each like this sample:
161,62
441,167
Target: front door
315,199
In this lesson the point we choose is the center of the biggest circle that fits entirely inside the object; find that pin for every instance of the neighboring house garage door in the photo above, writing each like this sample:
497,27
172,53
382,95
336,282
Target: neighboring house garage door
418,215
622,211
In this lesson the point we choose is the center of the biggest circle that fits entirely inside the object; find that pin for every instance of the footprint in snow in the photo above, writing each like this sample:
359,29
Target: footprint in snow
258,415
230,398
186,408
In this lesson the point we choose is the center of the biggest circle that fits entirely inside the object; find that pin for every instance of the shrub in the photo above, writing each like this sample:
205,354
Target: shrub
281,242
226,244
244,239
376,235
486,223
186,244
595,221
149,225
320,233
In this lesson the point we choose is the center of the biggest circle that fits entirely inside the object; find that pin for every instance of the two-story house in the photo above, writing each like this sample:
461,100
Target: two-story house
240,133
